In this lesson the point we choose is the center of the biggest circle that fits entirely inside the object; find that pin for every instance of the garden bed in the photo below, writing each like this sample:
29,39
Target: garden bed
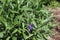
27,19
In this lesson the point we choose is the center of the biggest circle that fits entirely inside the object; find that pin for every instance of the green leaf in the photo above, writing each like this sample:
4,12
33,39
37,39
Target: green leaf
14,38
1,35
7,38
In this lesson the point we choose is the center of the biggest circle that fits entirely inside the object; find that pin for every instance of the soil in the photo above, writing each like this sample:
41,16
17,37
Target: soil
56,29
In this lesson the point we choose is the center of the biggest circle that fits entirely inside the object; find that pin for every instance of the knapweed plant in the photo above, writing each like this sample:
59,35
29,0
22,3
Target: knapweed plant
25,20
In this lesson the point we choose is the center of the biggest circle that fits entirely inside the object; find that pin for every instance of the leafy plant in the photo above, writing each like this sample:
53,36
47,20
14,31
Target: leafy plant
25,20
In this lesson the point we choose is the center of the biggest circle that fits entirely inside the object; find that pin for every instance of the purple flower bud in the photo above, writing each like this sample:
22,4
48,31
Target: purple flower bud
30,27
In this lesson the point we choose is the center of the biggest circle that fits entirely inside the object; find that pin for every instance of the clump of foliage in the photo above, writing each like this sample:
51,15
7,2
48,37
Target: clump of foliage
25,20
54,3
